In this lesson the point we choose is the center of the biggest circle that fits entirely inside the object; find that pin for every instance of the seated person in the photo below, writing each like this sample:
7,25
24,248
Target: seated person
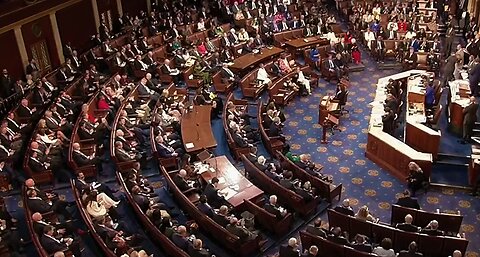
53,245
37,204
364,214
205,207
212,194
146,201
275,209
183,183
432,229
287,180
222,216
411,252
361,244
291,249
385,248
408,226
407,201
345,208
262,75
316,228
197,249
338,237
235,227
181,238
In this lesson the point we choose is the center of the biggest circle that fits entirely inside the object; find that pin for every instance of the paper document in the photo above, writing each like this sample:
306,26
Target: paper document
189,145
228,193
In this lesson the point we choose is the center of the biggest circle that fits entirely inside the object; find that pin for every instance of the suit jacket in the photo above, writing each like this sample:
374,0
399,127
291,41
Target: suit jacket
38,205
180,182
212,195
121,156
221,220
35,166
405,253
362,247
180,241
241,232
432,232
344,210
287,251
239,141
274,130
206,209
287,183
407,227
163,151
470,114
80,159
273,210
198,252
408,202
316,231
51,245
23,112
142,201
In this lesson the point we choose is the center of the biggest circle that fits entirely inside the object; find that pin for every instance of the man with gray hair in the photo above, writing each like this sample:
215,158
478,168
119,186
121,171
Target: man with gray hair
345,208
408,226
432,229
290,250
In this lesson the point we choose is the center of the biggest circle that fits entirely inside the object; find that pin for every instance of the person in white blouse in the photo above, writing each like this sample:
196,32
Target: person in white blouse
262,75
302,80
331,36
201,25
385,248
243,35
369,37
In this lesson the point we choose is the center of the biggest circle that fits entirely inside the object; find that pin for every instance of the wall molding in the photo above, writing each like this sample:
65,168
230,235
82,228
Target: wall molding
38,15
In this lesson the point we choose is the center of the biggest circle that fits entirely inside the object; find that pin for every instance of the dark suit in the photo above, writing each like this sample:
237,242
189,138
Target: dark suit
346,211
469,119
407,227
316,231
432,232
212,195
142,201
180,241
221,220
273,210
81,159
181,183
206,209
405,253
241,232
408,202
51,245
287,251
362,247
38,205
23,112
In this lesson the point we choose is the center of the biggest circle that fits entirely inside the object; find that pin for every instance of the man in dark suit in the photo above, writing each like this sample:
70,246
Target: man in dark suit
275,129
180,180
122,155
237,229
337,237
53,245
23,111
411,252
180,237
286,181
211,192
469,119
204,207
312,252
37,204
432,229
345,208
408,201
408,226
275,209
316,228
6,83
197,249
360,244
222,217
166,151
410,60
474,76
291,249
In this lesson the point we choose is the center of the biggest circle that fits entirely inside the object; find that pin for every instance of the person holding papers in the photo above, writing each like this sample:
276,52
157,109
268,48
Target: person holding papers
262,76
275,209
175,73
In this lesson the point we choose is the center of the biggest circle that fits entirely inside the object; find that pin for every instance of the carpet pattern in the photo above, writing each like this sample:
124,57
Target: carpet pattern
364,182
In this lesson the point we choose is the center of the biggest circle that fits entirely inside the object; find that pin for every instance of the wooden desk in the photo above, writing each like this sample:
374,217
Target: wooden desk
386,150
231,177
197,129
245,61
325,107
459,99
300,43
417,135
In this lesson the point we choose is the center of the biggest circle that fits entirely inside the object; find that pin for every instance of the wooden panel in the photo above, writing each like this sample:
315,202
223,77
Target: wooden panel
37,31
76,24
133,7
387,157
11,59
420,140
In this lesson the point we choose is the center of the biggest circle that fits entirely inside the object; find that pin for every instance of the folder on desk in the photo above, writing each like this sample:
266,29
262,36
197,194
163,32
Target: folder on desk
189,145
228,192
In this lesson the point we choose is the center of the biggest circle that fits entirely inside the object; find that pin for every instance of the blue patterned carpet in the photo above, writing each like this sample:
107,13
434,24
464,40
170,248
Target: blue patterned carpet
364,182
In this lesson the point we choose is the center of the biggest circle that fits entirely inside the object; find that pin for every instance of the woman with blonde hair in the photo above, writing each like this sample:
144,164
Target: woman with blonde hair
416,179
364,214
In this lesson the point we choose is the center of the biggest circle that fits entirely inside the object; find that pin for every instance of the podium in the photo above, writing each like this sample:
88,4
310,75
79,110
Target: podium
325,107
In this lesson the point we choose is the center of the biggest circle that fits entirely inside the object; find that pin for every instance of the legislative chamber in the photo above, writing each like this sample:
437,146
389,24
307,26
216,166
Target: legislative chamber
239,128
